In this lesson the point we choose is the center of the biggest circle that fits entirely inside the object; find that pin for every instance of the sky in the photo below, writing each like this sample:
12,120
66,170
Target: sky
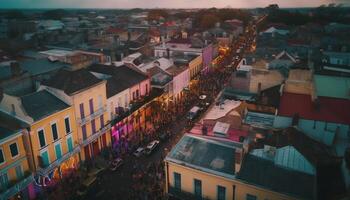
162,3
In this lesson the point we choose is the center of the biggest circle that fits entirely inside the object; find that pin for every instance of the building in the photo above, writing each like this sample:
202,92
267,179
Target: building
128,92
52,139
193,62
216,168
324,119
16,176
87,95
188,47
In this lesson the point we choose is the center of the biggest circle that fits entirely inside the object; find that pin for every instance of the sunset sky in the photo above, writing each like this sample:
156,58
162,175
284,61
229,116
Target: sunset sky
161,3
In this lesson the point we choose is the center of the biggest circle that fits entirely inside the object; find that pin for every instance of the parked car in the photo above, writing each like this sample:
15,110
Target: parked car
193,112
139,151
115,164
151,146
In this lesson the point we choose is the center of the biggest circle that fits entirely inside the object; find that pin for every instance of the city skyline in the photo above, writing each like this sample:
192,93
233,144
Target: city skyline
31,4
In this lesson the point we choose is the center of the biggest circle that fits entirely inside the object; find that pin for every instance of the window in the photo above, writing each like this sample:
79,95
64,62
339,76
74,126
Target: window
14,149
91,105
41,136
137,94
4,181
250,197
54,131
67,124
82,114
93,126
146,89
177,181
197,188
133,96
221,192
58,150
83,129
2,158
102,121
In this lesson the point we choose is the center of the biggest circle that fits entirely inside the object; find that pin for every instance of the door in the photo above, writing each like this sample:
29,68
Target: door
96,149
70,144
87,152
58,151
104,142
45,158
19,172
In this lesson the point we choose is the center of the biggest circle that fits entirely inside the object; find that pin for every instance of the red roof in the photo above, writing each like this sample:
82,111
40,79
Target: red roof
232,134
329,109
180,41
114,30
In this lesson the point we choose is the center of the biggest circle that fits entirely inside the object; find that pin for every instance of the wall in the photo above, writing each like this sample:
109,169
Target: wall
180,81
45,124
195,66
11,172
210,183
122,99
83,97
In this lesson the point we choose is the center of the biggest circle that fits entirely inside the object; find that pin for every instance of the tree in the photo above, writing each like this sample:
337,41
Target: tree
208,21
156,14
55,14
14,14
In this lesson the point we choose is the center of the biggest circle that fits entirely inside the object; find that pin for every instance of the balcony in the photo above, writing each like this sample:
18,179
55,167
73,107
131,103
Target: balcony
96,135
46,170
86,119
135,105
178,194
17,187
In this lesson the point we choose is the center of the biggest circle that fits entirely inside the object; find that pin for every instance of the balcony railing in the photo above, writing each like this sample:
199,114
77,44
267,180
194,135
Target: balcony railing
46,170
19,186
179,194
96,135
86,119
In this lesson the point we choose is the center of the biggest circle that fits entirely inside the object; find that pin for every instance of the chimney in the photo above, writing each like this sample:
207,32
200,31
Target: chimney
13,109
168,53
129,35
259,89
15,69
295,120
238,160
317,105
270,151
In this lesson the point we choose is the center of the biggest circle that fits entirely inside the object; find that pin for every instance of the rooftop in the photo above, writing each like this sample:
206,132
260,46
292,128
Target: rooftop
41,104
324,109
9,125
121,77
212,156
332,86
72,81
217,112
266,173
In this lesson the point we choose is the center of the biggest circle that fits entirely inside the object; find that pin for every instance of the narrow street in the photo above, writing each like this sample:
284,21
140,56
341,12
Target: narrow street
143,177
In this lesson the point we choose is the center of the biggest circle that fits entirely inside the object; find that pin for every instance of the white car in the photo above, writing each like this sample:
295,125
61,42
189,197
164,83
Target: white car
139,151
151,146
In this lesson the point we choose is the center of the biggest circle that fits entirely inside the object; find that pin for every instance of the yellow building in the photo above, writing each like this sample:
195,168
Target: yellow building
87,95
15,176
200,167
52,137
195,66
